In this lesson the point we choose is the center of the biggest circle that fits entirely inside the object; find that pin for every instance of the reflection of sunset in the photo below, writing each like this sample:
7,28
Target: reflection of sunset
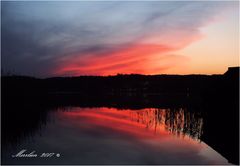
130,136
177,122
145,122
93,136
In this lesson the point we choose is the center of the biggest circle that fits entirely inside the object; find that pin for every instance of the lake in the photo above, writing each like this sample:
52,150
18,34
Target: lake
108,135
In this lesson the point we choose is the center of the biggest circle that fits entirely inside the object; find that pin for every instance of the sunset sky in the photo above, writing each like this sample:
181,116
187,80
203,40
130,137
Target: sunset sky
46,39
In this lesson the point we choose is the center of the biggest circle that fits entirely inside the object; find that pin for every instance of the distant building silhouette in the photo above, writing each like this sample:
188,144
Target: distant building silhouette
232,71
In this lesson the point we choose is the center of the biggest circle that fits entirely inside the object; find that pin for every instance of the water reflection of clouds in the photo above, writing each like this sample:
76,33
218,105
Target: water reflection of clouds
116,137
179,122
111,136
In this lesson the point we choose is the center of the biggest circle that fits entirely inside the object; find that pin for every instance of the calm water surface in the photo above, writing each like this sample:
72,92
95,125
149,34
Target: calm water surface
112,136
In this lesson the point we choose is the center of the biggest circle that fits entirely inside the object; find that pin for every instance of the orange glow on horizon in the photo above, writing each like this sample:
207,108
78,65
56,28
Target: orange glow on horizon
205,52
211,49
137,59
